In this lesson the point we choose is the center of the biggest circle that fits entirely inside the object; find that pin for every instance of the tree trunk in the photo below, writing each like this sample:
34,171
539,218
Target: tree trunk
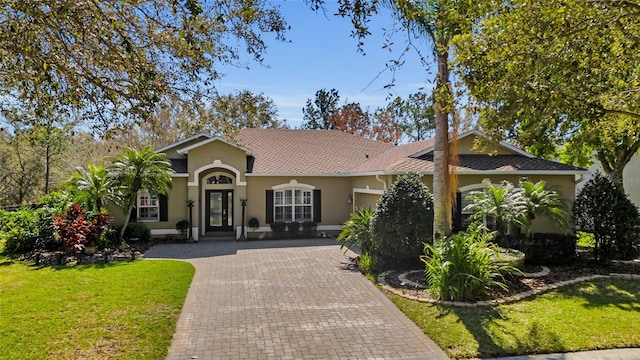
126,222
47,167
442,105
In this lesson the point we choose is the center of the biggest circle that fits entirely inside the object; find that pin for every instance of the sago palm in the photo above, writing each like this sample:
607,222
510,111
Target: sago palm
539,200
505,203
93,185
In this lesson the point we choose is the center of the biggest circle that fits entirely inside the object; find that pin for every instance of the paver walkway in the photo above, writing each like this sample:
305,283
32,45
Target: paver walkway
287,299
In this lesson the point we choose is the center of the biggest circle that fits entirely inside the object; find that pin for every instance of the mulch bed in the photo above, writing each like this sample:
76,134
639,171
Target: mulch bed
518,284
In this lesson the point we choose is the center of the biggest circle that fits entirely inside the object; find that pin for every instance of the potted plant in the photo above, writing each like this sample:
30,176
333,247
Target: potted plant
183,227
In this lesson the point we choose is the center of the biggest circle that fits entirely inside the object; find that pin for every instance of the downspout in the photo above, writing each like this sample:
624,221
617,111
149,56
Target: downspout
384,183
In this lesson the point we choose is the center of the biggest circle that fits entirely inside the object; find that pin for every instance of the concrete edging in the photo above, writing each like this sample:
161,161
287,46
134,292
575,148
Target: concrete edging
517,297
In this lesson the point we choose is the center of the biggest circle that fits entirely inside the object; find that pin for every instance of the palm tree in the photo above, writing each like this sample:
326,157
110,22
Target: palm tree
504,203
93,185
440,21
134,171
545,202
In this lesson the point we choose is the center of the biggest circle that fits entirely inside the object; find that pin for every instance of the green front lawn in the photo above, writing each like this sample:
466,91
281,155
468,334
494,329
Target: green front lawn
106,311
593,315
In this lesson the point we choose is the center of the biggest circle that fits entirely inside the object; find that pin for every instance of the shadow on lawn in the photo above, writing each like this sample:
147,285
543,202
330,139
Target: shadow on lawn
483,323
621,293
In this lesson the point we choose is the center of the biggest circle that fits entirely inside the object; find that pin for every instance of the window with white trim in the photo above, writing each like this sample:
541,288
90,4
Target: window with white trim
488,221
148,206
293,204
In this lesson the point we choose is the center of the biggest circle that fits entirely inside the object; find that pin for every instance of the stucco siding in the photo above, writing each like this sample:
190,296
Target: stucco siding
335,195
228,155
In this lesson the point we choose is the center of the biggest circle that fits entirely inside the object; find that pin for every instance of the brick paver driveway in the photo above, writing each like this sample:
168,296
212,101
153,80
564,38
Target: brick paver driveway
287,299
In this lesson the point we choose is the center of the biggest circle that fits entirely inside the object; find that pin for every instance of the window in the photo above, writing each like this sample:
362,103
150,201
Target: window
219,179
488,221
148,206
293,204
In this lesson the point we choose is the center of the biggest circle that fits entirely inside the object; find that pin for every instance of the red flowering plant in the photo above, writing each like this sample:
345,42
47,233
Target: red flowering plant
77,229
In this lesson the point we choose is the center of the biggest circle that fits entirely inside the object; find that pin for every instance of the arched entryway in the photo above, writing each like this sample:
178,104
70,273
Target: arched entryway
218,198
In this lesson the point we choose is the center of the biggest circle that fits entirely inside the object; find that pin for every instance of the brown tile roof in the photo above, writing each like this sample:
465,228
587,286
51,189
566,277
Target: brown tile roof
312,152
392,156
482,163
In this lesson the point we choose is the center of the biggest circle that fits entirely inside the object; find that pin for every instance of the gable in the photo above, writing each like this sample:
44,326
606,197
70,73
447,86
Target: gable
171,151
208,151
465,146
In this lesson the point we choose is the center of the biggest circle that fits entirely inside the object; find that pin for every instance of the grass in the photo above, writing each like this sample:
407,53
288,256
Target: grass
602,314
102,311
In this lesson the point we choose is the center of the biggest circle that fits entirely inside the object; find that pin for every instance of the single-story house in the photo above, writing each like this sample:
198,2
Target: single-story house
281,175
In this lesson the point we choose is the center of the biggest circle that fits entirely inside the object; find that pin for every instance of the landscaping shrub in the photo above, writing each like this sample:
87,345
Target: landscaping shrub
293,229
463,267
604,210
183,227
19,230
367,264
137,230
357,231
254,223
402,222
550,249
78,229
511,257
277,229
309,228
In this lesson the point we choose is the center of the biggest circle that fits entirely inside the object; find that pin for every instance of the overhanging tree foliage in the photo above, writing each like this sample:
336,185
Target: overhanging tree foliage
558,73
437,21
113,61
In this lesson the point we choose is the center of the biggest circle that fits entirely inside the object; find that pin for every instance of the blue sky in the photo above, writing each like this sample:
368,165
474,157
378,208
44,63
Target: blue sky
321,54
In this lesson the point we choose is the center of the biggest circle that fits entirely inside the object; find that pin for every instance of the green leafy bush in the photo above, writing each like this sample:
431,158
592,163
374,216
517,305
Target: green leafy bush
293,229
367,264
550,249
605,211
278,229
464,266
19,230
357,231
309,228
137,230
402,222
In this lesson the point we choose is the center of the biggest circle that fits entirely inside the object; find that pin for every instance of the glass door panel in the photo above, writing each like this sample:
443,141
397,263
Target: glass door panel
215,209
219,210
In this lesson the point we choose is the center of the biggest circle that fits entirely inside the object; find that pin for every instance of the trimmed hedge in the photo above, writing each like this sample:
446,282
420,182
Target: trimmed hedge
550,249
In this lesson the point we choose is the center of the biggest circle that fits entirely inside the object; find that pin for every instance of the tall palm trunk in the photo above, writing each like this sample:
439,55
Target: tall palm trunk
442,106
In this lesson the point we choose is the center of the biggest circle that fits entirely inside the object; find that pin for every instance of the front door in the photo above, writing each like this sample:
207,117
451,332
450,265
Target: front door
219,210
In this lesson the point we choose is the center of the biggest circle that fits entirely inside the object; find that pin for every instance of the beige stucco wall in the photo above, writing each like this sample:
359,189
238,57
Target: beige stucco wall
564,184
335,195
207,154
176,203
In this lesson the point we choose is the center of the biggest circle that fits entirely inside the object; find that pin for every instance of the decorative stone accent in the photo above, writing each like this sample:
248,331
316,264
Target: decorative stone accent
544,272
402,292
403,278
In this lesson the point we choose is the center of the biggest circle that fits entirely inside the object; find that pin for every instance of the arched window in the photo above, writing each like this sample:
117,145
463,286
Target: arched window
219,179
